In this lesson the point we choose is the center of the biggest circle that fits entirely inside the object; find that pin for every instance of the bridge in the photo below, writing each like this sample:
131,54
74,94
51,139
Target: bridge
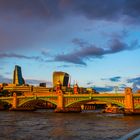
129,101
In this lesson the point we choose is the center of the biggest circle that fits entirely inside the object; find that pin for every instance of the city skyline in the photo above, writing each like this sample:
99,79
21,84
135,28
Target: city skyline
96,42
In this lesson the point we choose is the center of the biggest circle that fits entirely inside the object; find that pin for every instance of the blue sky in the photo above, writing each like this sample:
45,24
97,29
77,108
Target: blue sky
96,42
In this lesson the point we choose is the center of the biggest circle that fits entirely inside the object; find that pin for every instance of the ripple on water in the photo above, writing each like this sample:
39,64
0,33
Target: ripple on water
42,125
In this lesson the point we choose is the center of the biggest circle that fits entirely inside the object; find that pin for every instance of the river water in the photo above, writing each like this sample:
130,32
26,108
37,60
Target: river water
46,125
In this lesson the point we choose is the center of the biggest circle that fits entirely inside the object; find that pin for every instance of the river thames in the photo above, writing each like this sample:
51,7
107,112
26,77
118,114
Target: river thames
46,125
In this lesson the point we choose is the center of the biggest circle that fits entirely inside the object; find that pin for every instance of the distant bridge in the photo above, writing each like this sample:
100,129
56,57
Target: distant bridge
127,100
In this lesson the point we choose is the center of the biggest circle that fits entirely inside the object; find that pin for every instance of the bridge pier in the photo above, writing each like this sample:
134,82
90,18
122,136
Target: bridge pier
61,104
60,101
14,105
129,101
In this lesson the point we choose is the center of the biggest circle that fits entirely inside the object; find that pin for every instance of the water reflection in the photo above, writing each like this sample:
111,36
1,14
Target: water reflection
43,124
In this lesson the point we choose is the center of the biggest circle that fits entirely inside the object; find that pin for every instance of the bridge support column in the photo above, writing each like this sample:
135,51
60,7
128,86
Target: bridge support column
14,105
60,102
129,101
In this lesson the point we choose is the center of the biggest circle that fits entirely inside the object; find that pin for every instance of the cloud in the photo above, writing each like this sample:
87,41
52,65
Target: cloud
71,58
35,82
45,53
119,35
90,51
131,9
131,80
135,83
126,11
24,24
113,89
16,35
5,80
64,66
115,79
122,87
84,51
34,9
104,89
46,9
90,83
19,56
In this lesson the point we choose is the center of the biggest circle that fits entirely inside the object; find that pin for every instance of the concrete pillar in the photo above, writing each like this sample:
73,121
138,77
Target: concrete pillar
14,105
129,101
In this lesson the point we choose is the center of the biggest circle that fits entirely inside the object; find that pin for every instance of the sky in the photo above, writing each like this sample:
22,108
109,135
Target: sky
95,41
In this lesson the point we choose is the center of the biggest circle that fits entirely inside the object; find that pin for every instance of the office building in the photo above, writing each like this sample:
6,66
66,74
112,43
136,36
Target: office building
62,77
17,76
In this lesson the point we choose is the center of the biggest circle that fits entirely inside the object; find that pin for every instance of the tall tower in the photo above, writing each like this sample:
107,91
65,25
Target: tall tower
62,77
17,76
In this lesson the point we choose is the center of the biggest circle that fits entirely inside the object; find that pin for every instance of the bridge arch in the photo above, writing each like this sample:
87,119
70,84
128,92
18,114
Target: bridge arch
81,101
6,104
26,101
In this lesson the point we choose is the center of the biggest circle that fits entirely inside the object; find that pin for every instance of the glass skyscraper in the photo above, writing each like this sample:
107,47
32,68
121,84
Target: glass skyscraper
62,77
17,76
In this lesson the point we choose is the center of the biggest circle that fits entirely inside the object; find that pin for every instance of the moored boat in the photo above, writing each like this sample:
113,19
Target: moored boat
114,110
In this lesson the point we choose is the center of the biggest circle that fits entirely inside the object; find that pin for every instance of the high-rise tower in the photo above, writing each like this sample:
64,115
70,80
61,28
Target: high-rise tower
17,76
62,77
